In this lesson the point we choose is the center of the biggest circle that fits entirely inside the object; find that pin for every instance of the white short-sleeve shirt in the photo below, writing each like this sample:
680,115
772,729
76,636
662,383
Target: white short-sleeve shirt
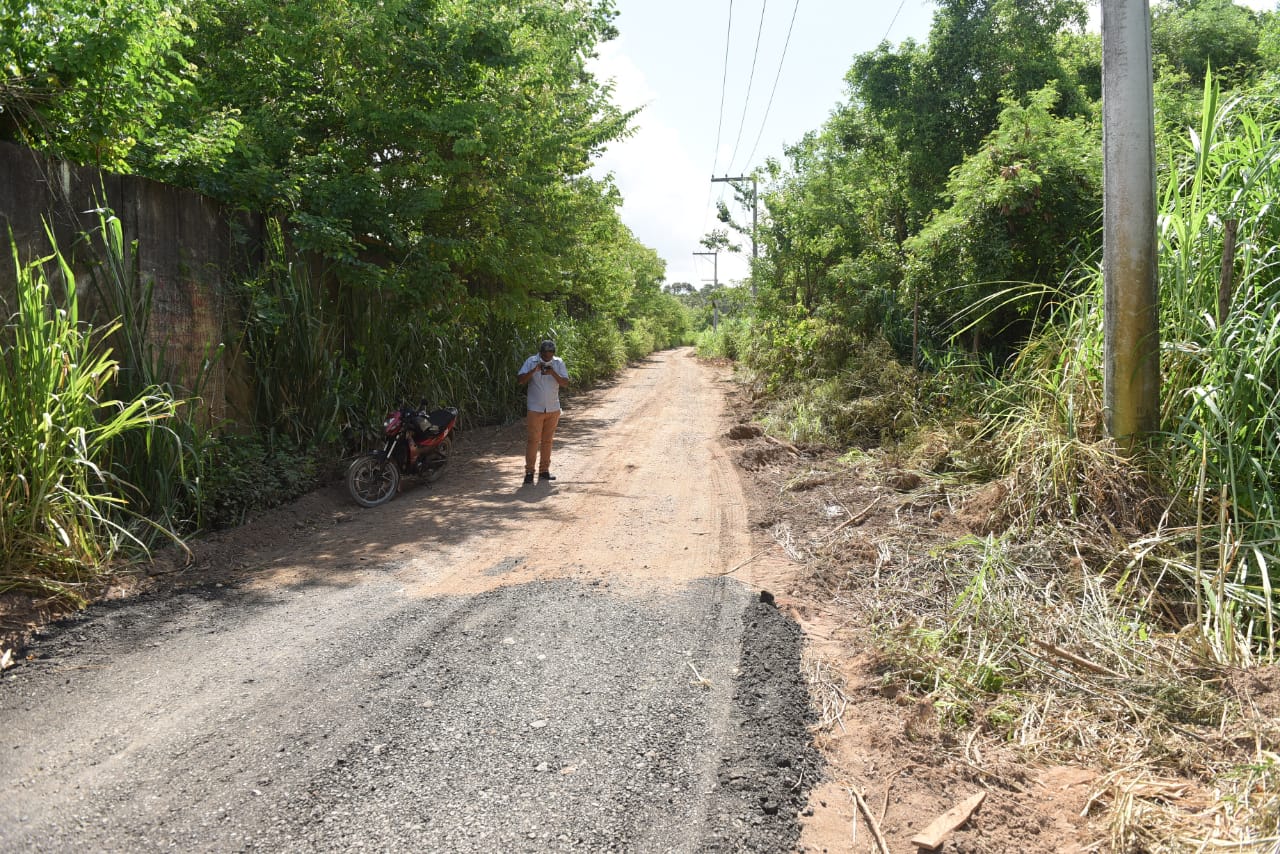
544,391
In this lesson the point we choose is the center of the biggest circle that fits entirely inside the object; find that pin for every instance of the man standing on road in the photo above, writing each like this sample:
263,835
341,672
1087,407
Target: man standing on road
544,374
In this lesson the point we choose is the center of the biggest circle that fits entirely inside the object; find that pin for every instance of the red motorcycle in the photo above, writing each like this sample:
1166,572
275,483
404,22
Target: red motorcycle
417,443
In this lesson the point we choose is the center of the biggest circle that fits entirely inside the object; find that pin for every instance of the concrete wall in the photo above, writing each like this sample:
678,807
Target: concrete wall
190,248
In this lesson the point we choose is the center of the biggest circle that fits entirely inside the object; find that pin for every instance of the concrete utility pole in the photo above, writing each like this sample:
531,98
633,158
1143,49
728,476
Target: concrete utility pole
715,283
1131,332
755,209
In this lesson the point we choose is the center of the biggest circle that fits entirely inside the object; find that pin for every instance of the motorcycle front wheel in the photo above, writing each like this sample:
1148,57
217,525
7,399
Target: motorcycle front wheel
435,468
372,480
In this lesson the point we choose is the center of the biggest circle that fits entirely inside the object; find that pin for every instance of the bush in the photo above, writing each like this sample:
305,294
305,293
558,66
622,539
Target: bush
250,473
593,349
728,341
870,401
644,337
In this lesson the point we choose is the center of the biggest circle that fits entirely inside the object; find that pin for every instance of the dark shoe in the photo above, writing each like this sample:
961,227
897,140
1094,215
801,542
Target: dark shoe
546,475
528,477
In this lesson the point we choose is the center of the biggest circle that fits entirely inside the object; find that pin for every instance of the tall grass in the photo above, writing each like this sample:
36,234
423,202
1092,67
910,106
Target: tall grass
726,341
289,339
64,511
1222,376
402,347
1204,511
593,348
165,461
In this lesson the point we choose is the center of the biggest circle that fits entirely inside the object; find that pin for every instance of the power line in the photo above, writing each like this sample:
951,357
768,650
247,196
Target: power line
746,102
724,82
894,21
776,77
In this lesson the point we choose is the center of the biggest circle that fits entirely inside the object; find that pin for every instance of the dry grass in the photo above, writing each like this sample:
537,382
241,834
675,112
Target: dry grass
1049,638
827,694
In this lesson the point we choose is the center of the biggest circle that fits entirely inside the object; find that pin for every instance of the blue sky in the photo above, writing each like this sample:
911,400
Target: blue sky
671,60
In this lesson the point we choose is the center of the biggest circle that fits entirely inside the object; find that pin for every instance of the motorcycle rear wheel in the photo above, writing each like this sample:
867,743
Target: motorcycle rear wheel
436,467
372,480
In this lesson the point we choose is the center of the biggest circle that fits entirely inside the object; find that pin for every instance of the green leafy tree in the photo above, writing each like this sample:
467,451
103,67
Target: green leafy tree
1025,208
1197,35
85,80
836,219
940,99
439,138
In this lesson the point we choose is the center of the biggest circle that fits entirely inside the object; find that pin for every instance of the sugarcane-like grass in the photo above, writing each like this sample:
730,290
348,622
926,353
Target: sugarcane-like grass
64,511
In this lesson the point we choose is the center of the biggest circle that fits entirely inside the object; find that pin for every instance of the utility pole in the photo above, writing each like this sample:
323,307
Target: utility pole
755,207
1131,331
715,283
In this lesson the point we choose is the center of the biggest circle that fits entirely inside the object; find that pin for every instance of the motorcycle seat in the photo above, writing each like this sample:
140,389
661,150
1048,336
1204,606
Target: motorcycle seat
442,418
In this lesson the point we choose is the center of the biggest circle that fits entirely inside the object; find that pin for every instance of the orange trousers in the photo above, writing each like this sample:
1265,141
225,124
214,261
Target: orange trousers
542,428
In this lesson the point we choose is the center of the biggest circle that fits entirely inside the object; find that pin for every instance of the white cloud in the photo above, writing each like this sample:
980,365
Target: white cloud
665,193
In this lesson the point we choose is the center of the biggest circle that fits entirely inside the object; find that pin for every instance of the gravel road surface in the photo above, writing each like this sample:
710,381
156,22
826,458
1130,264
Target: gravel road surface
478,665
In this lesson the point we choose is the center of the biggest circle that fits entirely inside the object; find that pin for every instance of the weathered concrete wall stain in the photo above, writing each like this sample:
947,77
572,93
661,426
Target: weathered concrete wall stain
190,248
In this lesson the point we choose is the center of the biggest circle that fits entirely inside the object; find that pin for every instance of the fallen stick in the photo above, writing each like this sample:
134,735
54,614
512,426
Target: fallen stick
977,769
872,824
1075,659
745,562
884,808
860,516
935,834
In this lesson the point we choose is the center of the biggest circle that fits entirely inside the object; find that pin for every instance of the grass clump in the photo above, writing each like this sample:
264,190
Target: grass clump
66,506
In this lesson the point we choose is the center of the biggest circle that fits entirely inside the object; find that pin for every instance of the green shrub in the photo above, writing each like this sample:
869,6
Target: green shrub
641,339
593,349
65,509
870,401
249,473
727,341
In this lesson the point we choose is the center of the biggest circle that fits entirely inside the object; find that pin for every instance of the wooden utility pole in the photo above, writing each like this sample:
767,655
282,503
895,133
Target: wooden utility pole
1131,332
755,210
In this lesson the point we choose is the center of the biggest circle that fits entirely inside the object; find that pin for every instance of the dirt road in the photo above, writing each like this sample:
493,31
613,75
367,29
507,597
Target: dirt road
476,666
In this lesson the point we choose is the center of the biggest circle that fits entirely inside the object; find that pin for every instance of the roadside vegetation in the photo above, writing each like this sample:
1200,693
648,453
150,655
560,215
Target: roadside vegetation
423,171
935,309
927,299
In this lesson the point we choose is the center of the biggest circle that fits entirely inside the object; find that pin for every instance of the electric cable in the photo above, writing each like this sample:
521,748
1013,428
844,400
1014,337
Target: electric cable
724,81
894,20
776,77
746,102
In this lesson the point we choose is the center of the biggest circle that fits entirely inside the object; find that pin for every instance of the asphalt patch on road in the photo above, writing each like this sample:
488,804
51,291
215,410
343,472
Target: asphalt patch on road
770,763
537,717
505,566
